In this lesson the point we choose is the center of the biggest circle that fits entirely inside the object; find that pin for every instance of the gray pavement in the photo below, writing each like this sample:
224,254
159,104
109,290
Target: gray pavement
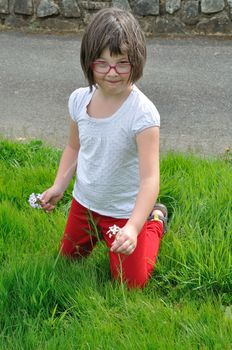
188,79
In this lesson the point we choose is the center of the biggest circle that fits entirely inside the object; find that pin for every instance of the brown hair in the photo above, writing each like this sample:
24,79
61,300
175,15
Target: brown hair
119,31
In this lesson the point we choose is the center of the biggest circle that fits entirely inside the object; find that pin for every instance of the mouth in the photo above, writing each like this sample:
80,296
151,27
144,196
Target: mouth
113,81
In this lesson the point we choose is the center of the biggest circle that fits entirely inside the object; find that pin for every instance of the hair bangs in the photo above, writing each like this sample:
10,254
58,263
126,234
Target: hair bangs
114,39
118,44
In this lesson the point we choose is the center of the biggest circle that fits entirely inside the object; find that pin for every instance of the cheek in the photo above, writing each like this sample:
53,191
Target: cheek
97,76
128,78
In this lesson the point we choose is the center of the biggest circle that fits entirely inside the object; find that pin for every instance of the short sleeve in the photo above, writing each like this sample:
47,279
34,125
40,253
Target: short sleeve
146,117
78,100
72,102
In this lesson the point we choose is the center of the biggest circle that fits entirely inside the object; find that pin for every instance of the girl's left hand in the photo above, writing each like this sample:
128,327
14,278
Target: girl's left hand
125,241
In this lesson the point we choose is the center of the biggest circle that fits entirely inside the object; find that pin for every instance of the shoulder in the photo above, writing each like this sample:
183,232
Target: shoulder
77,101
146,113
143,102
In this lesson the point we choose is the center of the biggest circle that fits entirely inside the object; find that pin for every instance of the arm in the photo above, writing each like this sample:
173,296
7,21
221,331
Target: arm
66,170
148,152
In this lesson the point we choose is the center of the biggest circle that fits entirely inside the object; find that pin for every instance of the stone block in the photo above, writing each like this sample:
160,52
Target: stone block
190,12
70,9
94,5
23,7
147,24
121,4
172,6
145,7
16,21
56,24
212,6
230,7
219,23
47,8
169,25
4,6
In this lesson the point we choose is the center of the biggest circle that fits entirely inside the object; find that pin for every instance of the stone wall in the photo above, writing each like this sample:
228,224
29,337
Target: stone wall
156,16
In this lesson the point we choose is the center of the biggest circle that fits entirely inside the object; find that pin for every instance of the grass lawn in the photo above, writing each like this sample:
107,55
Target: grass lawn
47,302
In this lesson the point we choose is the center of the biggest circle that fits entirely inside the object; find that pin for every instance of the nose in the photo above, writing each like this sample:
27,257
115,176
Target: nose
112,70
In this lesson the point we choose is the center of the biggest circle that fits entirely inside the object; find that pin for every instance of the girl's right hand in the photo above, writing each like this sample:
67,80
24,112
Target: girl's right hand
50,197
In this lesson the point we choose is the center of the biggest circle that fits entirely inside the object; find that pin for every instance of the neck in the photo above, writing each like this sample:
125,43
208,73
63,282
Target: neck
117,96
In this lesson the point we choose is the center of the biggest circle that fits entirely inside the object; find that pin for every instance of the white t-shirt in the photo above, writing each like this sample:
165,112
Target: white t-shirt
107,178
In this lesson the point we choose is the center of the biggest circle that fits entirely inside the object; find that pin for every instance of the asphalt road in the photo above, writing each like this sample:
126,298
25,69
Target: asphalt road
188,79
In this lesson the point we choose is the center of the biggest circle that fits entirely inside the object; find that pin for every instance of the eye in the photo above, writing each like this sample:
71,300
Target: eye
101,64
124,62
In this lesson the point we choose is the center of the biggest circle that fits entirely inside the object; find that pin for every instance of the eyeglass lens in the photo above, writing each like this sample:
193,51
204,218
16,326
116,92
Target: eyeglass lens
104,67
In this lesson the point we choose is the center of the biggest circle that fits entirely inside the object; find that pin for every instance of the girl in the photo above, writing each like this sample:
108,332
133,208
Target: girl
113,147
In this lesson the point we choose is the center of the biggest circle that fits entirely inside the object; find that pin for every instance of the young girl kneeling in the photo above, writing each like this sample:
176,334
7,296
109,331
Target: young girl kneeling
113,148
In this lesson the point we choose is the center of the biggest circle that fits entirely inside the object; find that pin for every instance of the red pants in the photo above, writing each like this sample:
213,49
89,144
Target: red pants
80,237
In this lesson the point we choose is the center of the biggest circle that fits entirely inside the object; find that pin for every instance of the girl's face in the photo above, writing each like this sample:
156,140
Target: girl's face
112,80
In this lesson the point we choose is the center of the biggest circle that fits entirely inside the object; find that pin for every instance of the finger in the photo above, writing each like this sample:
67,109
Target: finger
119,235
48,211
45,205
43,196
46,197
48,207
117,243
121,247
129,250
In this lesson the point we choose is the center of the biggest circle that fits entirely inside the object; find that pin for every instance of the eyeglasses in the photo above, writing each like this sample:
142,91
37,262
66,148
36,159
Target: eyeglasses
103,67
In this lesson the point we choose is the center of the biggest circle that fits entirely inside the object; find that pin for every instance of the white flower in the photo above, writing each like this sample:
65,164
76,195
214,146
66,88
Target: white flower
34,200
113,230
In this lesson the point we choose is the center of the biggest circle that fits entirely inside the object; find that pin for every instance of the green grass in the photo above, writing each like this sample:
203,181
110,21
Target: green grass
47,302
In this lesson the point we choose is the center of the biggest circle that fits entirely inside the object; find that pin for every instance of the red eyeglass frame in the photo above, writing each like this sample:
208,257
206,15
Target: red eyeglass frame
110,67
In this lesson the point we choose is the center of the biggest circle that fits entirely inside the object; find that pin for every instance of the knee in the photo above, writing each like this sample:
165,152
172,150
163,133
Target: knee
72,250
